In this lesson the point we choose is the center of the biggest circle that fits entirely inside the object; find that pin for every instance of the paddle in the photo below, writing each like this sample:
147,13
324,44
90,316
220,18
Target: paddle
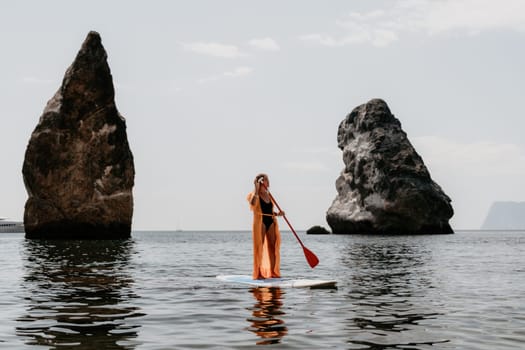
309,255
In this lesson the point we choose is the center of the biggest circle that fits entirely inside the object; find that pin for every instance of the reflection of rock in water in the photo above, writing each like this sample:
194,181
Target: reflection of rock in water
79,293
264,322
386,279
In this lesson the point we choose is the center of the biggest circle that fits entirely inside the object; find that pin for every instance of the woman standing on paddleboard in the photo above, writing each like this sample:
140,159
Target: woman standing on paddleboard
265,230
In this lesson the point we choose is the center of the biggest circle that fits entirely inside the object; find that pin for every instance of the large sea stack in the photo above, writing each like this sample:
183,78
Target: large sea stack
78,168
385,187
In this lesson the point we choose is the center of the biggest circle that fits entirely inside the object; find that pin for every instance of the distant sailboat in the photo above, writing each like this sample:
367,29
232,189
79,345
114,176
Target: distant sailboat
178,227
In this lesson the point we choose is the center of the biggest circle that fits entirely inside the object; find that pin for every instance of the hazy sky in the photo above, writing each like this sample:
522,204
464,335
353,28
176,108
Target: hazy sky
215,92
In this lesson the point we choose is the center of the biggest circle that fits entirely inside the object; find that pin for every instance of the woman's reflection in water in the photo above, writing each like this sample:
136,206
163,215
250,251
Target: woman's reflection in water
79,294
264,322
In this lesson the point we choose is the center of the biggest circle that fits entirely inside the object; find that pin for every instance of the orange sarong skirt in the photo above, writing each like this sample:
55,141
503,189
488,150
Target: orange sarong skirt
266,251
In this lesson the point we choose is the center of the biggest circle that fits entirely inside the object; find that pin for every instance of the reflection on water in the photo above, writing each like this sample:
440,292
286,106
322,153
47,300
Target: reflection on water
386,280
79,294
265,322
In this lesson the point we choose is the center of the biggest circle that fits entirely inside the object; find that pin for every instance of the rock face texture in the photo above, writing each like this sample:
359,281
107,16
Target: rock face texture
78,168
505,216
385,186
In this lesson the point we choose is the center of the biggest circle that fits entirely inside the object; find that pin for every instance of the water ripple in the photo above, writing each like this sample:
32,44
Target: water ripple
159,291
78,294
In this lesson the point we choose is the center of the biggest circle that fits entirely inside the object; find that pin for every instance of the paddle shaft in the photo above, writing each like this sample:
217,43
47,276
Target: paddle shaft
285,218
310,256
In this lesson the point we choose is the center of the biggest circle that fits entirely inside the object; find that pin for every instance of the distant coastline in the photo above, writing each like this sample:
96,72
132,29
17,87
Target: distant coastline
505,215
11,226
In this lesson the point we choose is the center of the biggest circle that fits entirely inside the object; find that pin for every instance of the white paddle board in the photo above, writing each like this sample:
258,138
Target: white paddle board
278,282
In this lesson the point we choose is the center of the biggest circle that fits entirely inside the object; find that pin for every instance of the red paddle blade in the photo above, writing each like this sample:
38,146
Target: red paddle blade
310,257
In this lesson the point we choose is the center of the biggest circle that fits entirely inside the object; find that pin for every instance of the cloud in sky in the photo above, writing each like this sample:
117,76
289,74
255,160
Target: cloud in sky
264,44
36,80
307,166
383,27
214,49
230,51
238,72
481,158
474,16
474,174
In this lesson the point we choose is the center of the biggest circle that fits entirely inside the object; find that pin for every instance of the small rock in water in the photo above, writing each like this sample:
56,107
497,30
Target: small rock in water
317,230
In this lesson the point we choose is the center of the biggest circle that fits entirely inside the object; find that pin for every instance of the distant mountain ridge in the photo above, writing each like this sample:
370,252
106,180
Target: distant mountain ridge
505,216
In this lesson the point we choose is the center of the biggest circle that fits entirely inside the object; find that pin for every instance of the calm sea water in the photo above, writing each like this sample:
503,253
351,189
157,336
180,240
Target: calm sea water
158,291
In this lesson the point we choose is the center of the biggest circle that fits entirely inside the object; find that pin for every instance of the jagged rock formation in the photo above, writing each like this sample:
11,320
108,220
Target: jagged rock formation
384,187
78,168
505,216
